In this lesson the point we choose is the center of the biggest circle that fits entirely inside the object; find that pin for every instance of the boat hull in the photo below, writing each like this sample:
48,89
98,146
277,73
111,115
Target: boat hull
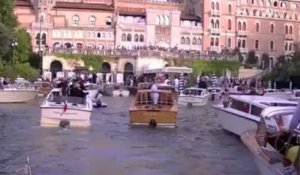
234,123
17,96
162,118
194,101
53,116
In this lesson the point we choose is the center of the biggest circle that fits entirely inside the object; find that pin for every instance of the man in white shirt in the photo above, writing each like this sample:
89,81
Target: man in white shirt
176,84
154,93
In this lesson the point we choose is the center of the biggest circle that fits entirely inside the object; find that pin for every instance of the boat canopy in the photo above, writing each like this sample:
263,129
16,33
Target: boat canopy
169,70
143,97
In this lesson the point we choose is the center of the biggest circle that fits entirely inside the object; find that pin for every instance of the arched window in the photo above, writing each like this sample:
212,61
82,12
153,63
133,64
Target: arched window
108,21
136,38
229,8
128,37
182,40
75,20
99,36
199,41
194,42
291,30
141,38
217,24
229,24
217,42
244,43
272,28
212,41
212,23
123,37
290,47
92,20
286,29
257,27
162,20
167,20
213,5
41,19
188,40
157,20
239,43
239,25
244,26
217,6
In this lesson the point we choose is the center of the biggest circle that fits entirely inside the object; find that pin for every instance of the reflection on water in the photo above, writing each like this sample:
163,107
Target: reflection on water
111,147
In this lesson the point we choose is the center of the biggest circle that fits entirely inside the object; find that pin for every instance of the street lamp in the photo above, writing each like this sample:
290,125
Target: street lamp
14,44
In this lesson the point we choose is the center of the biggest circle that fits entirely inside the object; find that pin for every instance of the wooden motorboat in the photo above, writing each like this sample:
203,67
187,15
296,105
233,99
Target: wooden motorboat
65,111
43,87
143,112
193,96
274,151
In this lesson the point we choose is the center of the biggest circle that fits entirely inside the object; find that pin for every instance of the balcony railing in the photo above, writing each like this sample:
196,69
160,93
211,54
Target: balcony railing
168,54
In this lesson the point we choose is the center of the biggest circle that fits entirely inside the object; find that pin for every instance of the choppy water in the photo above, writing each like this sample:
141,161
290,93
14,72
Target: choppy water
109,147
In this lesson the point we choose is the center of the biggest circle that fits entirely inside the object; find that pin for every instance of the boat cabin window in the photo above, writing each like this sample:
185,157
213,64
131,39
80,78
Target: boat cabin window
240,106
256,110
297,94
193,92
278,104
57,97
144,98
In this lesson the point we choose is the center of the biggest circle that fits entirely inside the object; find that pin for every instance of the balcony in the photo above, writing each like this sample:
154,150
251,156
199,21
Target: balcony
145,52
215,31
244,50
241,32
214,13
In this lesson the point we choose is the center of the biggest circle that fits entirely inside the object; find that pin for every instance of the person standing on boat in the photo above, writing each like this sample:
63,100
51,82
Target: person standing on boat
176,84
154,93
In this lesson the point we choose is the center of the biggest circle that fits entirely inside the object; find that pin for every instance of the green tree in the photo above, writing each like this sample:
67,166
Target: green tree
251,58
7,16
24,48
34,60
4,40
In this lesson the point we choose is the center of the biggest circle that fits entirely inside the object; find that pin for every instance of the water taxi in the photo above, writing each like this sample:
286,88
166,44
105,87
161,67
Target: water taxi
65,111
193,97
278,94
143,112
275,151
242,113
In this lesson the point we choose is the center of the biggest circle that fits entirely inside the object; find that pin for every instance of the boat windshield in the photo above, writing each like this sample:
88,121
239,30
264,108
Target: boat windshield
55,97
193,92
144,98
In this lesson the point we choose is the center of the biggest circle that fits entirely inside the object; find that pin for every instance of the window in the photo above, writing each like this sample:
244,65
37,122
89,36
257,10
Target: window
187,40
108,21
257,27
244,43
194,41
212,41
92,20
271,45
217,6
128,37
229,8
229,42
291,30
239,43
256,44
182,40
286,45
199,41
239,25
217,24
123,37
141,38
291,47
272,28
213,5
286,30
244,26
240,106
136,38
229,24
217,42
99,35
256,110
75,20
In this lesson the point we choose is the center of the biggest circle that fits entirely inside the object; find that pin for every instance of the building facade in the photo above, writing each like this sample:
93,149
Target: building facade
265,26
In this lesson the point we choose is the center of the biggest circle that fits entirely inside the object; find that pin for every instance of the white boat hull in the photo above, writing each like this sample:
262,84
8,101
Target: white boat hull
52,116
234,123
17,96
193,100
118,93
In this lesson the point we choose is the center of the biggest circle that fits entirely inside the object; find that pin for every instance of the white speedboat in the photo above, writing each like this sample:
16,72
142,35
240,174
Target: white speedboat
295,95
278,94
20,92
243,112
58,110
194,97
121,93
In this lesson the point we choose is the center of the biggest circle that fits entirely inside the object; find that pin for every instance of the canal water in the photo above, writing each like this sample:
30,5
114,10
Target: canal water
110,147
